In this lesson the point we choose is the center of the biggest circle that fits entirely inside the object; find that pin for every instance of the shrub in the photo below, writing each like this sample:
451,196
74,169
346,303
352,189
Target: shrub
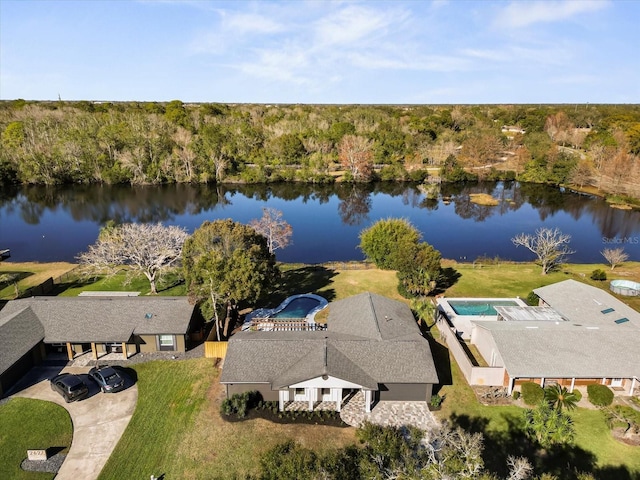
240,403
532,393
533,299
598,274
578,395
436,401
600,395
515,395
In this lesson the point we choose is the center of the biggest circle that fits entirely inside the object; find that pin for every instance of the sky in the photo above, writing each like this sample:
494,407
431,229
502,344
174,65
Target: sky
321,51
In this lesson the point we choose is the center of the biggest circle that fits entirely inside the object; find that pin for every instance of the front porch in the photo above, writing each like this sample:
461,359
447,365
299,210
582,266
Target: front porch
314,398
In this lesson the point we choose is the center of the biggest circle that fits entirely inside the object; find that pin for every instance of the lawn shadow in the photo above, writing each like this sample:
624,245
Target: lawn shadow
309,279
450,277
563,461
78,282
9,283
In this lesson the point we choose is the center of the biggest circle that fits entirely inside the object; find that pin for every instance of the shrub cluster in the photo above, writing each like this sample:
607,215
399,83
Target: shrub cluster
599,275
532,393
600,395
240,403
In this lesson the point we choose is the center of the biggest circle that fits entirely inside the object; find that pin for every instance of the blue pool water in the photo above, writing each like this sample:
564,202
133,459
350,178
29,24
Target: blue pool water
479,307
297,308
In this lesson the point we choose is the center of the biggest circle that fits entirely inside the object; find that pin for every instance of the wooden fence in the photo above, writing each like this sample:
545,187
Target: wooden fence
215,349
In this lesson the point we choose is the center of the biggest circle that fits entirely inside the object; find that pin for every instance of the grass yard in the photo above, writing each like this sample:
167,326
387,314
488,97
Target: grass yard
177,430
27,424
29,274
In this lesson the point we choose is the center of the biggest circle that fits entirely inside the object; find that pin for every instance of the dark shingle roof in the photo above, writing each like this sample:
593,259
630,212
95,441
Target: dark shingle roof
105,319
19,333
370,339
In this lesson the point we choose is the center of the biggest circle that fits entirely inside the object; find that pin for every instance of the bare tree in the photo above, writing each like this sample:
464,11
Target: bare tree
149,249
615,256
519,468
274,228
356,156
582,173
549,245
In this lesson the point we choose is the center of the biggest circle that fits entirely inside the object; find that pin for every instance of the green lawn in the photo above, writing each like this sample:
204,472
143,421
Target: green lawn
176,429
30,424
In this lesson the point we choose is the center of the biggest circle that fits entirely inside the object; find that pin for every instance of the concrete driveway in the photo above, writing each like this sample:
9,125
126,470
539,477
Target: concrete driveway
98,421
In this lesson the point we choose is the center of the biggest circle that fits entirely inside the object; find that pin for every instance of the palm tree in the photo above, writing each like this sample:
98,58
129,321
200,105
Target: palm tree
548,426
559,397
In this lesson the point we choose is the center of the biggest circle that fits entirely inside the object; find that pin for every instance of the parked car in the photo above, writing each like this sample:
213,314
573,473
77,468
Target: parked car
70,386
107,378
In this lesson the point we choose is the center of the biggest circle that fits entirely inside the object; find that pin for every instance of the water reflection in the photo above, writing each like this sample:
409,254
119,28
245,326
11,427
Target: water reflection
329,217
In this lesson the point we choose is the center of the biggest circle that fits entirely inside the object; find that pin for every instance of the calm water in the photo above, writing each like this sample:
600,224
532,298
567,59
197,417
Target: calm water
55,224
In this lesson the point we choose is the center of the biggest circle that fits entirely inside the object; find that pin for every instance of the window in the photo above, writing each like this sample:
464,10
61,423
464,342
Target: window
299,391
166,342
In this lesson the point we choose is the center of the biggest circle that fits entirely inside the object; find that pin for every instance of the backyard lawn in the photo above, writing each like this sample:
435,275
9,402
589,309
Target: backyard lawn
27,424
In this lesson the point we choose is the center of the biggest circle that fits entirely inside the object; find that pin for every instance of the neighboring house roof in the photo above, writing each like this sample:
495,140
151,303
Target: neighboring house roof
105,319
19,333
565,350
587,305
370,339
594,335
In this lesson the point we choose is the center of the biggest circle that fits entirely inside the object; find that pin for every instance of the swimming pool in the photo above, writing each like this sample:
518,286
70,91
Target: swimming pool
300,309
625,287
480,307
297,308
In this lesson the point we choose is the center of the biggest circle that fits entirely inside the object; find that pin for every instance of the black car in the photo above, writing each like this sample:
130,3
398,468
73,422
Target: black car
107,378
70,386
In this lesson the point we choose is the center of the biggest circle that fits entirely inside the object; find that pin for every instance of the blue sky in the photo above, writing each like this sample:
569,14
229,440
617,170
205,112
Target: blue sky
297,51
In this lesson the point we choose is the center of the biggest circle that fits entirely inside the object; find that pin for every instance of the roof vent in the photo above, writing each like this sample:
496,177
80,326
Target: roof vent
148,316
621,320
607,310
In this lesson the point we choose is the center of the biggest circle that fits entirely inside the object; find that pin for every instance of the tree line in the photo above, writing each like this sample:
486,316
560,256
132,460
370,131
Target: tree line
153,143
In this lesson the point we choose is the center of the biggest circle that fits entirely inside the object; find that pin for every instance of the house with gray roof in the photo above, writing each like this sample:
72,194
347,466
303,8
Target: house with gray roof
371,343
30,327
579,335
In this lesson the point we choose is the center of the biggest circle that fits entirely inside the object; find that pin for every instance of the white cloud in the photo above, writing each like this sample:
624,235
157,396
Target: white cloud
251,23
520,14
355,24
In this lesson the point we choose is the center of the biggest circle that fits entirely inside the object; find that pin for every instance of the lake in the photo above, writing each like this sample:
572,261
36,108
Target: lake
49,224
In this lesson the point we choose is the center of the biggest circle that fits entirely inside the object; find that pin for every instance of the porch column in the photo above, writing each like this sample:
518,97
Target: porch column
633,386
542,382
511,385
94,352
338,397
125,354
69,351
281,400
367,401
311,393
573,384
604,381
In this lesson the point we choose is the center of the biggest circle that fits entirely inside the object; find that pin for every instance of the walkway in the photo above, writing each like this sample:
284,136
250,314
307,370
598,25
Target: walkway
394,414
98,421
